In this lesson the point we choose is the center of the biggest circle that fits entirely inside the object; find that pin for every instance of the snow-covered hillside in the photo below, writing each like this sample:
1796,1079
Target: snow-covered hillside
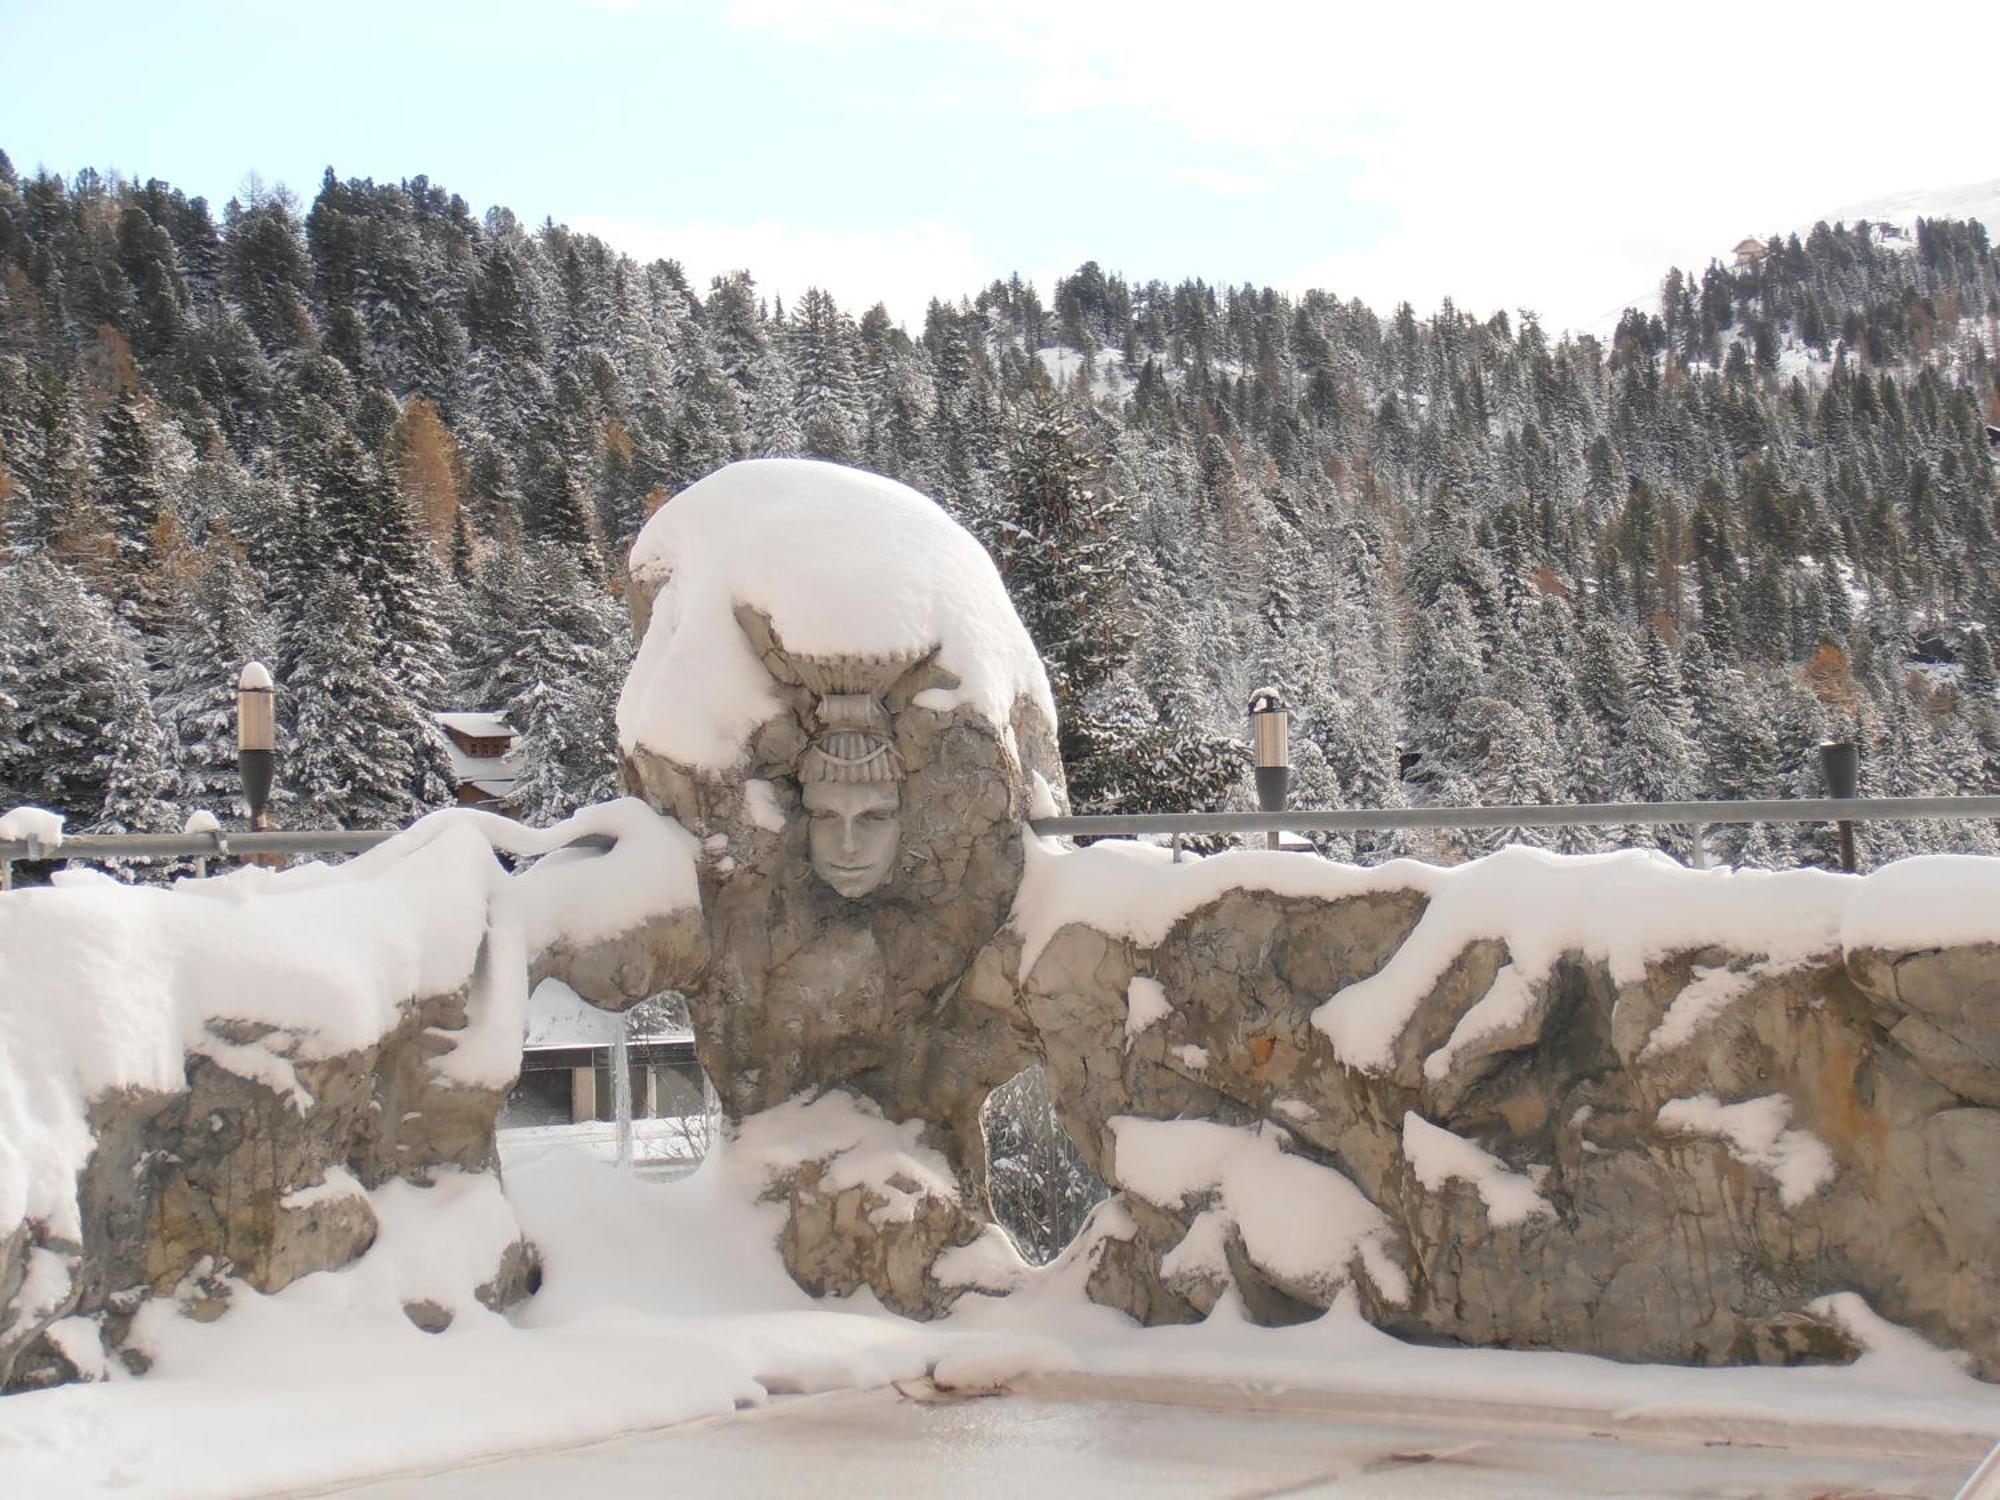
1972,200
1893,216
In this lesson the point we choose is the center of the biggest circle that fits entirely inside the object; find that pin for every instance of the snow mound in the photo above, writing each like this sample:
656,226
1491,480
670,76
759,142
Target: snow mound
1759,1134
843,563
1622,909
761,797
1299,1220
1941,901
1437,1157
1707,995
613,1344
1506,1003
1625,910
1139,891
559,1017
1146,1004
38,823
860,1149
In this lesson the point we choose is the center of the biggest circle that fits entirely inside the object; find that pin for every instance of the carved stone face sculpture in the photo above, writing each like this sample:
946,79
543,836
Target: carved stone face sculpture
851,783
853,834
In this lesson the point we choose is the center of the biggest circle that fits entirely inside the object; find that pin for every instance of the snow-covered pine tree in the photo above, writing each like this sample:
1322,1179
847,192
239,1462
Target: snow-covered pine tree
820,346
565,660
219,628
1064,561
345,759
81,739
1446,671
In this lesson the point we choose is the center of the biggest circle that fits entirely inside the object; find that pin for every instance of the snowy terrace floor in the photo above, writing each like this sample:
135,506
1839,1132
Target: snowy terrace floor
669,1354
1058,1439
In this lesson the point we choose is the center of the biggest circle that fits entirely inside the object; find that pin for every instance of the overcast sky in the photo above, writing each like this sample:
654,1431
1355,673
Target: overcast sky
1553,157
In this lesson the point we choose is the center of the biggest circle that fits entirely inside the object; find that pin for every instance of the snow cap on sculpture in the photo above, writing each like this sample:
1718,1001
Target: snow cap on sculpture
808,633
841,564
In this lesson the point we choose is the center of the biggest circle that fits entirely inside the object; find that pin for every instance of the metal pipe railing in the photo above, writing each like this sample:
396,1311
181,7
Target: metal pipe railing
222,843
1536,815
1698,816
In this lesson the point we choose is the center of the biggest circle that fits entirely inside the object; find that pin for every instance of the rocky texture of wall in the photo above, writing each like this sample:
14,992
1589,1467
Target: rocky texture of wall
1630,1142
1604,1104
216,1089
241,1179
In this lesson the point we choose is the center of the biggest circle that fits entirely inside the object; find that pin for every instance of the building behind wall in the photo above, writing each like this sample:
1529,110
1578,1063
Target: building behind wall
484,758
566,1063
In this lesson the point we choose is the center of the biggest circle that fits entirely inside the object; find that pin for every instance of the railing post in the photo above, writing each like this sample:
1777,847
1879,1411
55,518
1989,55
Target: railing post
1840,769
1700,857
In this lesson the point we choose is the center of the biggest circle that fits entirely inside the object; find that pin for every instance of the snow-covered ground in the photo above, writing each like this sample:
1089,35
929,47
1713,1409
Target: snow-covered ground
664,1303
670,1144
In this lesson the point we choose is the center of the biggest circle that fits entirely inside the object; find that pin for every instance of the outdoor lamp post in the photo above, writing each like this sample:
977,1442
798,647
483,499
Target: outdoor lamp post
256,740
1270,737
1840,766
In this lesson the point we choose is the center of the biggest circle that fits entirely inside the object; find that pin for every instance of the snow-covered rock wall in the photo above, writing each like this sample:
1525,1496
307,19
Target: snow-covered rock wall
210,1088
1602,1104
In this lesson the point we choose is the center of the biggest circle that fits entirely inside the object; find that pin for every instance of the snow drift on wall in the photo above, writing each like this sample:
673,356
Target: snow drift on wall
106,986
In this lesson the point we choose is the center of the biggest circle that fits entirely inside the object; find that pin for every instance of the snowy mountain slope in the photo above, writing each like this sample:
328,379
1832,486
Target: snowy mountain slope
1899,212
1972,200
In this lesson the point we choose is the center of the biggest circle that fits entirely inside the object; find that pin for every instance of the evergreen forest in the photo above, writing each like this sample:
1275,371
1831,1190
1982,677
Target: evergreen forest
397,450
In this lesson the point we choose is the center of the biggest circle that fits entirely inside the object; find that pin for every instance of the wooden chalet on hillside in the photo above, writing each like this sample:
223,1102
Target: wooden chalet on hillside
484,759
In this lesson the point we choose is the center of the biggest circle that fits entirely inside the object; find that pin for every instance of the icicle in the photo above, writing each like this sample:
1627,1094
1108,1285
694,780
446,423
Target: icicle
711,1114
621,1088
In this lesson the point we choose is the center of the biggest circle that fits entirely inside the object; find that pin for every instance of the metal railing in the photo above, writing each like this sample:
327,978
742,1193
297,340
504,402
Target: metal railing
1698,817
203,847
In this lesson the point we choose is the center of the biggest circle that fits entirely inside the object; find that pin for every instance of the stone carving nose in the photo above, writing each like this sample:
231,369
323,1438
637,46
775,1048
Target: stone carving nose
850,843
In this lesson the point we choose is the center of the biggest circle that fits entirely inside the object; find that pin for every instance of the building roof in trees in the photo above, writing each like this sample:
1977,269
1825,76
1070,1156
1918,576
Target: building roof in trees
469,741
476,725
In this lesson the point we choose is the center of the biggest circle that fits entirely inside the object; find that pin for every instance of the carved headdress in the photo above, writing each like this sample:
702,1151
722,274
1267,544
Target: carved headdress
854,741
